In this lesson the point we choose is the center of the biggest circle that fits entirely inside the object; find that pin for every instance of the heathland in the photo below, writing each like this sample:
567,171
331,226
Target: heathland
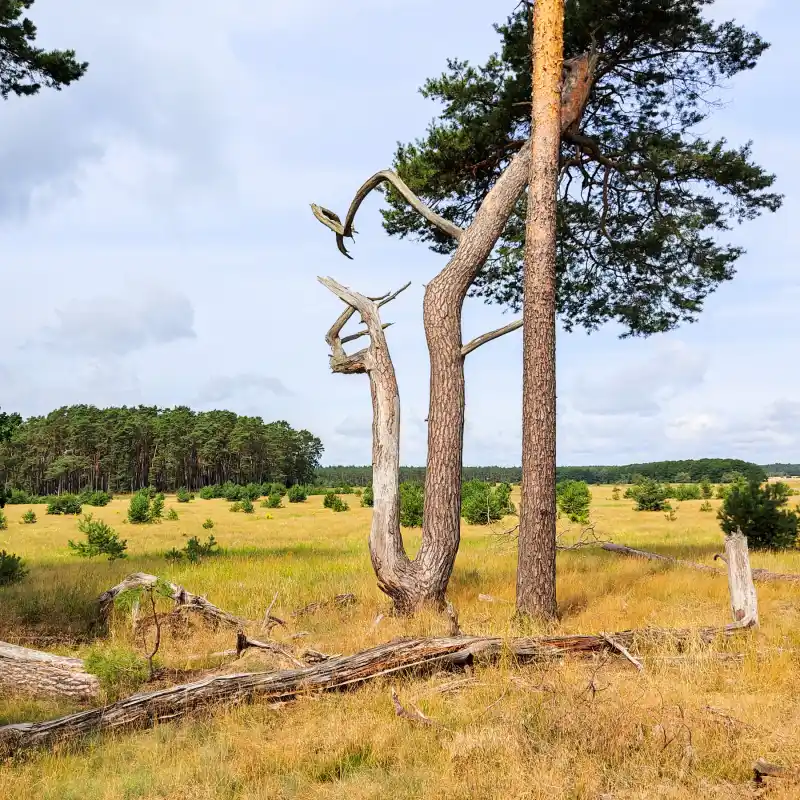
689,725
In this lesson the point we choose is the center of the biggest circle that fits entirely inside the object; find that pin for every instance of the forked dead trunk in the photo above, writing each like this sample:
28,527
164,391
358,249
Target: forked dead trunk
412,584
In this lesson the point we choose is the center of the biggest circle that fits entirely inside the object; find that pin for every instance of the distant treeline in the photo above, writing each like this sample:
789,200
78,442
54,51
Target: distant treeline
782,470
716,470
126,449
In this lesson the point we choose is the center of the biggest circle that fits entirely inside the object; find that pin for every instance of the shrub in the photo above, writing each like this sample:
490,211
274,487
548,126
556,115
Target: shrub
247,505
183,495
722,492
277,488
252,491
231,491
210,492
650,496
687,491
615,493
196,550
758,512
174,555
29,517
208,524
101,540
479,504
273,501
19,497
573,499
63,504
368,497
12,568
706,489
503,492
97,499
683,477
156,508
120,672
412,504
297,494
139,508
235,507
671,514
3,521
172,515
339,505
706,506
330,499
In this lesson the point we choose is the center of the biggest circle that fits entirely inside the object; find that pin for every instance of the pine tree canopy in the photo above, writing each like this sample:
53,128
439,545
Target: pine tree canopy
24,69
644,202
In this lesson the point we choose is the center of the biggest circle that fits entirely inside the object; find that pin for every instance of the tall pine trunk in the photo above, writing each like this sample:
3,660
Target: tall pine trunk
536,571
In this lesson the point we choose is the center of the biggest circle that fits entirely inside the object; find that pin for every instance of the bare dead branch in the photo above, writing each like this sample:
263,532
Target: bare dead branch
620,649
340,601
412,716
182,597
758,574
351,337
345,230
488,337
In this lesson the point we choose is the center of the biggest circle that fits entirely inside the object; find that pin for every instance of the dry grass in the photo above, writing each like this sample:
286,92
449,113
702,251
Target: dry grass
582,729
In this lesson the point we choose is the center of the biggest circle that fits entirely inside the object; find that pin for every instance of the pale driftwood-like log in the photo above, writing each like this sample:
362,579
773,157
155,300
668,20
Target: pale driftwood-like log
182,597
744,601
762,575
402,655
38,674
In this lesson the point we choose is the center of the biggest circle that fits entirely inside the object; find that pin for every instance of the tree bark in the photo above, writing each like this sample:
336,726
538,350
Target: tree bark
423,581
404,655
536,570
38,674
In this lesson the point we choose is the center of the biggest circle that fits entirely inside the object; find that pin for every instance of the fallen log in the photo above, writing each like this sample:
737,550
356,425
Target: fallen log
340,601
403,655
758,574
183,598
39,674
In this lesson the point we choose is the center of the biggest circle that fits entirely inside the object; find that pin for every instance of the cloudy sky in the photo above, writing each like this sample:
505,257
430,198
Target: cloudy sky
158,245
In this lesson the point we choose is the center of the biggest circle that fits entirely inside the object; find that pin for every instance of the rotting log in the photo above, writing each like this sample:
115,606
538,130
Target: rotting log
183,598
403,655
38,674
758,574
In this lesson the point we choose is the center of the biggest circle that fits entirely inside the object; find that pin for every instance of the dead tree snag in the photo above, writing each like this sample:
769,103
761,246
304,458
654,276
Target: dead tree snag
424,580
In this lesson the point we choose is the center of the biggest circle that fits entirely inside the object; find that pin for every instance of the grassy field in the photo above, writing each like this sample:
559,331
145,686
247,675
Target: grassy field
683,728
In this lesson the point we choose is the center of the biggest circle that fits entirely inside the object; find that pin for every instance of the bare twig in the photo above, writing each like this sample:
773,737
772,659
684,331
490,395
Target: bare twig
265,625
620,649
415,715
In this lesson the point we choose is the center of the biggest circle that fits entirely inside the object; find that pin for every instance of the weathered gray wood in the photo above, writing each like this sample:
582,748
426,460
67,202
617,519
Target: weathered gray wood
744,601
182,597
761,575
38,674
176,702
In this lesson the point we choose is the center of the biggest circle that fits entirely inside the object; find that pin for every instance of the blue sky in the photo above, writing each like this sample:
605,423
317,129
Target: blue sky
159,247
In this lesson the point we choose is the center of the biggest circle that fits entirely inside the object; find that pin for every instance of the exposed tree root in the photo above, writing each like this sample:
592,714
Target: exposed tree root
143,710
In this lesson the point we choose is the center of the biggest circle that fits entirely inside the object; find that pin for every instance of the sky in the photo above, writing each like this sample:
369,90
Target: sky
158,245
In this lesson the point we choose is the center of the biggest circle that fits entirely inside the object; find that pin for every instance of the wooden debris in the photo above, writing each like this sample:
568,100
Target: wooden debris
310,656
39,674
415,715
340,601
620,649
243,642
270,621
402,655
744,601
758,574
184,600
452,615
763,769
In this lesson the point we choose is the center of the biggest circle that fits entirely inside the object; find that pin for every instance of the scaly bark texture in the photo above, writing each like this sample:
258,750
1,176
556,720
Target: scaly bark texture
423,581
38,674
536,570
